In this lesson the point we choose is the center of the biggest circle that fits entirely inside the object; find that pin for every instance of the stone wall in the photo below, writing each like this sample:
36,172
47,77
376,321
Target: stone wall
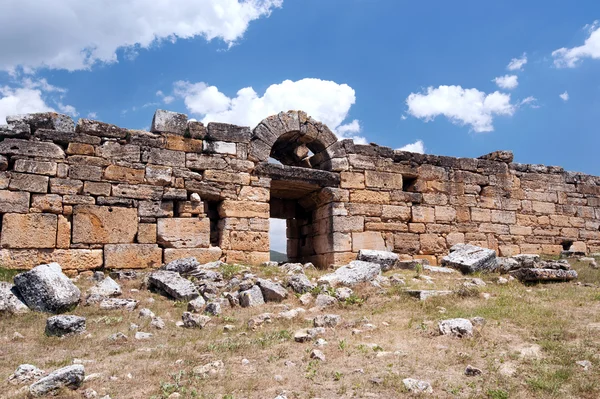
96,195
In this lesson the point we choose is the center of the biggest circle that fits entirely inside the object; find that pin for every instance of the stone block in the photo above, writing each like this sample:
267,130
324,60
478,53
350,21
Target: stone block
481,215
455,238
445,214
104,224
33,230
119,152
124,174
132,256
66,186
432,244
146,233
203,162
406,243
100,129
164,157
138,191
396,212
352,180
157,209
183,232
196,129
52,203
368,240
158,175
81,149
85,172
171,193
189,207
384,180
185,144
243,209
43,120
14,202
63,233
249,241
31,149
370,197
227,132
78,200
255,194
169,122
35,167
96,188
69,259
246,257
227,177
505,217
219,147
423,214
26,182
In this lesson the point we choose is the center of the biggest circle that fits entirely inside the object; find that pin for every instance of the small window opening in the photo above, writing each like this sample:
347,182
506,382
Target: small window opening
211,208
566,244
408,183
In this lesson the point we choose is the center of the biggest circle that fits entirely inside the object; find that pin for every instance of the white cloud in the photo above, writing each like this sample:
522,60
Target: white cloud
278,235
516,64
570,57
531,101
326,101
564,96
417,147
461,106
507,82
20,101
67,109
165,99
75,34
92,115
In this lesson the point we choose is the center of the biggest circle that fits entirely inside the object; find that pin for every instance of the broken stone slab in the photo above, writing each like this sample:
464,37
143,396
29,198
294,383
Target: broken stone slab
18,130
182,265
65,325
325,301
196,305
411,264
300,284
386,259
172,285
505,265
308,334
43,120
70,377
10,301
100,129
562,264
31,148
46,288
536,274
526,260
417,386
424,294
118,303
470,258
351,274
438,269
25,373
327,320
107,287
499,156
271,291
169,122
456,327
251,297
192,320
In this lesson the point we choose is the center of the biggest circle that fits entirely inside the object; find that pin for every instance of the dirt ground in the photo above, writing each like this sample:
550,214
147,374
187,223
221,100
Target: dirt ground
528,347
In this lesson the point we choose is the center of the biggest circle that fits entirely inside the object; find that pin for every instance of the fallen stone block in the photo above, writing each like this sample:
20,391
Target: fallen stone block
535,274
470,258
192,320
172,285
70,377
118,303
456,327
272,291
353,273
300,284
424,294
9,300
386,259
251,297
182,266
64,325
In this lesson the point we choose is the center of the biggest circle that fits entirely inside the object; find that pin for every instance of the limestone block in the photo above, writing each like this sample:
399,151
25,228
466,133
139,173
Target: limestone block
185,144
387,180
183,232
387,226
27,182
246,257
196,129
35,167
406,243
65,186
96,188
155,209
52,203
543,207
81,149
164,157
445,214
352,180
146,233
85,172
369,196
219,147
257,194
137,191
203,162
189,207
243,209
481,215
505,217
396,212
249,241
508,250
416,227
104,224
368,240
4,179
78,200
100,129
119,152
345,224
63,232
202,255
423,214
455,238
259,224
121,173
31,149
435,198
132,256
158,175
364,209
169,122
227,177
432,244
69,259
171,193
33,230
14,202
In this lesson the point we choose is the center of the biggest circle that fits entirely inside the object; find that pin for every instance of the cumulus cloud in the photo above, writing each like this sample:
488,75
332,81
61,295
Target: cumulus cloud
461,106
507,82
516,64
530,101
570,57
75,34
326,101
564,96
417,147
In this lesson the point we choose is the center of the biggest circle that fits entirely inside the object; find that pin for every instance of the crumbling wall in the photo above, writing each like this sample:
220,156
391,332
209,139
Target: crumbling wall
96,195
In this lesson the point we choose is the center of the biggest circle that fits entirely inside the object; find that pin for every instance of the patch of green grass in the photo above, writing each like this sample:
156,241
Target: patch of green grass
497,394
228,271
8,274
550,381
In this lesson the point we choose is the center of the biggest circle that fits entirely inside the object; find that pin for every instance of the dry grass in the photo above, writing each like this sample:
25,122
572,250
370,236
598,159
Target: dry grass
553,319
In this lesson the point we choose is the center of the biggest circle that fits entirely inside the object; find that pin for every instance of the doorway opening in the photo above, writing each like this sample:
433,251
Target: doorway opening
211,208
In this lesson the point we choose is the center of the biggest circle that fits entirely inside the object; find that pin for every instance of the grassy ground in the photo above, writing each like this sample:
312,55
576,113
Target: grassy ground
528,347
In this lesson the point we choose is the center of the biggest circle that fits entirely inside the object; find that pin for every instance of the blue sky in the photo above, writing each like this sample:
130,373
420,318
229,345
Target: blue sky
386,71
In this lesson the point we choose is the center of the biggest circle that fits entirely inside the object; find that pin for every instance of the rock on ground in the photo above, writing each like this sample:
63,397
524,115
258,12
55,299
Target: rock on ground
386,259
327,320
353,273
317,354
196,305
9,301
271,291
456,327
251,297
417,386
191,320
325,301
70,377
210,369
424,294
25,373
470,258
118,303
107,287
505,265
172,285
534,274
65,325
46,288
183,265
300,284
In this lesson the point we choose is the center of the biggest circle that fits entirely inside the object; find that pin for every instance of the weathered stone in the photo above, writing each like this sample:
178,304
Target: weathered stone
66,186
137,191
271,291
101,129
196,305
227,132
104,225
14,202
191,320
27,182
158,209
469,258
385,259
9,300
46,289
25,373
219,147
535,274
203,255
159,175
132,256
36,167
169,122
65,325
123,174
300,284
118,303
417,386
182,265
70,377
183,232
34,230
165,157
353,273
106,287
324,301
173,285
499,156
251,297
43,120
327,320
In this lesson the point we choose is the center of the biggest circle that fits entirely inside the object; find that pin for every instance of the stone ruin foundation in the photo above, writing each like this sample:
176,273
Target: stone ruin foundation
95,195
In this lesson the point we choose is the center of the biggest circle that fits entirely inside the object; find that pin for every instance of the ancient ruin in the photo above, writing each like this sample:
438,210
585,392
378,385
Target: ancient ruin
95,195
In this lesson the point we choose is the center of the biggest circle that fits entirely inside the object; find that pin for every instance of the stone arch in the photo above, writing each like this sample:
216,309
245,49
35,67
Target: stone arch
291,137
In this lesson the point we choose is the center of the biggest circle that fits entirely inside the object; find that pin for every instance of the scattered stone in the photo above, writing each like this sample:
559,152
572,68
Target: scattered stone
478,321
172,285
192,320
325,301
260,320
9,301
387,260
278,378
456,327
65,325
413,264
306,299
214,308
142,335
417,386
25,373
271,291
397,279
119,336
146,313
119,303
526,260
535,274
17,335
228,327
585,364
196,305
46,288
70,377
470,258
424,294
269,263
107,287
300,284
502,281
476,282
327,320
210,369
505,265
181,266
123,274
317,354
251,297
157,323
89,393
472,371
320,342
291,314
353,273
308,334
438,269
343,293
133,326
